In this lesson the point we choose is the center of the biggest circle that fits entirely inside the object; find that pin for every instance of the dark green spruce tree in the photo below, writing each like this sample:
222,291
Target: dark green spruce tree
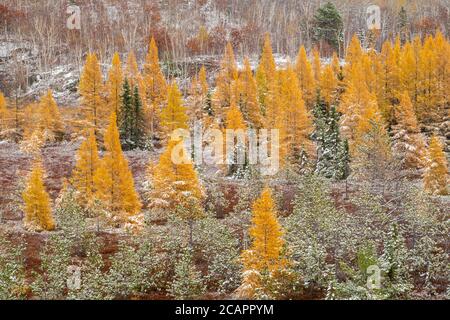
328,26
138,130
332,152
131,119
126,117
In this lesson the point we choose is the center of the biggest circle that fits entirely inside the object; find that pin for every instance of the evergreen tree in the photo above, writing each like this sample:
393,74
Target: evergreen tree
126,117
396,280
332,152
12,269
328,25
138,132
131,122
187,283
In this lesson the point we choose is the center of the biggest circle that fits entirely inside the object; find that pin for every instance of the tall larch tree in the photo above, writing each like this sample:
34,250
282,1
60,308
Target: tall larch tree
328,85
265,253
85,168
295,125
408,71
174,183
427,107
228,74
267,83
235,121
113,180
114,84
390,77
305,75
354,100
317,65
49,115
248,100
199,94
354,52
436,171
408,143
371,148
441,48
155,84
38,215
4,113
91,88
173,115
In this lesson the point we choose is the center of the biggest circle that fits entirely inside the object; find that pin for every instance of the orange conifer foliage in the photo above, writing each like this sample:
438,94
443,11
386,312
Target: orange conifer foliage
38,214
228,74
408,142
91,88
436,171
248,98
328,84
4,113
266,233
355,100
174,182
305,75
85,168
113,181
114,84
173,115
293,121
49,116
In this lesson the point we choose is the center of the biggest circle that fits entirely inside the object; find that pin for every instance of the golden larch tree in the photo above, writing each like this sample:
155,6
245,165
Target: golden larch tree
427,107
408,144
4,113
248,98
155,87
305,76
199,93
154,78
114,84
354,52
265,252
91,88
113,180
85,168
328,84
355,100
266,81
173,115
317,65
227,75
38,215
49,116
436,171
296,124
174,181
408,71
